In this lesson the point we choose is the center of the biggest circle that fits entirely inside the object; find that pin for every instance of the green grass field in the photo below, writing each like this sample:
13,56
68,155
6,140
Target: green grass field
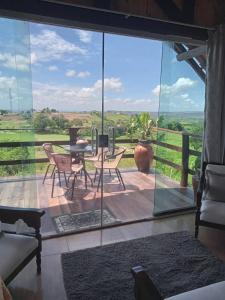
117,118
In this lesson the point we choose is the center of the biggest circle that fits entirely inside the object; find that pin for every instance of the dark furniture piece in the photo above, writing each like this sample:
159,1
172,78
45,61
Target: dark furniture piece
146,290
211,197
17,250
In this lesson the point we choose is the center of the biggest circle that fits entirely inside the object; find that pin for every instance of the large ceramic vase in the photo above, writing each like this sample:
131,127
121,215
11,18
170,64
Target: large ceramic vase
143,156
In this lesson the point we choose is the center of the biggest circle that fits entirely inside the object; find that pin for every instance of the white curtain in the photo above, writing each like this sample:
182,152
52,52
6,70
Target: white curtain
214,136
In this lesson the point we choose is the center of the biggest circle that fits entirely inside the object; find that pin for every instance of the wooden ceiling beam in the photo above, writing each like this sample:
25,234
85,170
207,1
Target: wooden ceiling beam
72,16
191,53
199,70
188,11
203,13
171,10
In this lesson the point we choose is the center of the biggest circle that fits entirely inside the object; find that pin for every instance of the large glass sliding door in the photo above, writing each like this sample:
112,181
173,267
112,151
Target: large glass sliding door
105,89
180,123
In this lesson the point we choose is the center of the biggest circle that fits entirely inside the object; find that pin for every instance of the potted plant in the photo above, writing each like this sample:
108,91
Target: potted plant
143,153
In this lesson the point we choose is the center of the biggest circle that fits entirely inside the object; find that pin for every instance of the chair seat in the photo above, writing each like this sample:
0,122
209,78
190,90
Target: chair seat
213,212
91,158
209,292
14,249
76,168
106,165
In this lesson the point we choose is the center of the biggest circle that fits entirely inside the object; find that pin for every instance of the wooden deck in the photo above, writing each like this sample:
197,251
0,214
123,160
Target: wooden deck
136,202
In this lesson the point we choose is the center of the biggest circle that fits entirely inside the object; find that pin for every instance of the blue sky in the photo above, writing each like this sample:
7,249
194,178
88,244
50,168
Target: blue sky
66,69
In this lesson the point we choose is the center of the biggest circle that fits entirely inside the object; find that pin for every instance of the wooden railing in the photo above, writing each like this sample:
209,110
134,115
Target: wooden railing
184,150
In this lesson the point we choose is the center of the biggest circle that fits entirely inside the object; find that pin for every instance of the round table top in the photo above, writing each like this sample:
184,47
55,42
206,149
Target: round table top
77,148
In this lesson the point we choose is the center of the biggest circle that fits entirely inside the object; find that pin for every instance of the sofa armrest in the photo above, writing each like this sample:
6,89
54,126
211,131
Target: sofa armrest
144,287
30,216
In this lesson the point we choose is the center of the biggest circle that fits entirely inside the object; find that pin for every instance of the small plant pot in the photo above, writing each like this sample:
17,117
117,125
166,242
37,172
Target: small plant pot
143,156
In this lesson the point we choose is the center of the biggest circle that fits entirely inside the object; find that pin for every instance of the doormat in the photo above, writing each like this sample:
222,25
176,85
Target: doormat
85,220
176,263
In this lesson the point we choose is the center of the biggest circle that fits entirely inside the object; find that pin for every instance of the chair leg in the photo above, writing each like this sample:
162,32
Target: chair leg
121,179
53,171
196,231
73,185
59,179
38,262
110,173
96,172
99,179
53,183
118,176
88,176
46,172
65,179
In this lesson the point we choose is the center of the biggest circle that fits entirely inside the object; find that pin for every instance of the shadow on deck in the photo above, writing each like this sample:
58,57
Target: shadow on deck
136,202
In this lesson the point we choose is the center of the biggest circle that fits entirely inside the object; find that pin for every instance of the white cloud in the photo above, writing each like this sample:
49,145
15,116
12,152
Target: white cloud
71,97
132,104
49,45
83,74
17,62
53,68
84,36
176,96
156,90
179,86
71,73
113,84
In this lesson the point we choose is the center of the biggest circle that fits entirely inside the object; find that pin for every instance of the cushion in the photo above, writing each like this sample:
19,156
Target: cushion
209,292
215,183
213,211
13,250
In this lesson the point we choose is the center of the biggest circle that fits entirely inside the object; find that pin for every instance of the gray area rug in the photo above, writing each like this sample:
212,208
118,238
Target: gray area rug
176,262
78,221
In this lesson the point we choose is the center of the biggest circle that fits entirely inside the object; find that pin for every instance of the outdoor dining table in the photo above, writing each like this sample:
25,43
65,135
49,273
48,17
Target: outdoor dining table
78,152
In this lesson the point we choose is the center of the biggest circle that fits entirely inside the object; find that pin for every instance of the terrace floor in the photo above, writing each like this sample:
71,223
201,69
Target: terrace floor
136,202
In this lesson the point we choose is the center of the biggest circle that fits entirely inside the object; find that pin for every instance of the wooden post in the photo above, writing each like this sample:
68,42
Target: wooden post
185,159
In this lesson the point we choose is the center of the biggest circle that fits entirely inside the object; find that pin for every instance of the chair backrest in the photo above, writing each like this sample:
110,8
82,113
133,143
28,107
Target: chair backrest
104,152
48,148
117,155
63,162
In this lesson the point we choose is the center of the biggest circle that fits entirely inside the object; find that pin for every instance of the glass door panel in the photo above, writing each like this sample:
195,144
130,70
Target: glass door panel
67,83
18,185
180,116
132,72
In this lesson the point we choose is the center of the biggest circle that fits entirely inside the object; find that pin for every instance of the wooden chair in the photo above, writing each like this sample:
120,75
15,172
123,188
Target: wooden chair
111,165
98,156
17,250
48,148
211,197
65,166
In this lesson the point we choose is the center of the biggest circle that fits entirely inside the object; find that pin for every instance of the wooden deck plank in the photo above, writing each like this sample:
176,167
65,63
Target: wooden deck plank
136,202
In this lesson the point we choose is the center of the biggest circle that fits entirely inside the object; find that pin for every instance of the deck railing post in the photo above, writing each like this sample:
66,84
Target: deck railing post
185,159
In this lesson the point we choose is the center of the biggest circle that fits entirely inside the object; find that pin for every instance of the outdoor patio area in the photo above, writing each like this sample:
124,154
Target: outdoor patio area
134,203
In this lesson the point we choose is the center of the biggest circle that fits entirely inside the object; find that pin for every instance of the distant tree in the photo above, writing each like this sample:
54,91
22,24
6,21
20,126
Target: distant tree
161,122
42,121
174,125
77,122
53,110
3,112
60,121
46,110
